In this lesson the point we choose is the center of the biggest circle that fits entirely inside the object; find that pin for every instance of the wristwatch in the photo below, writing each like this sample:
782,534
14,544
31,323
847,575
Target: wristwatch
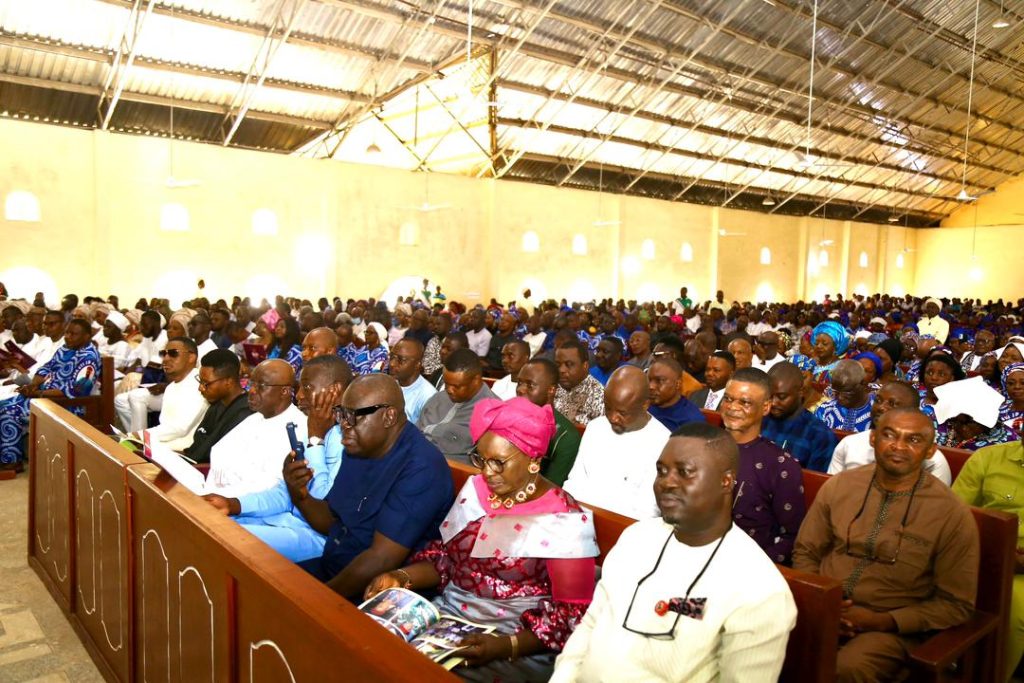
315,441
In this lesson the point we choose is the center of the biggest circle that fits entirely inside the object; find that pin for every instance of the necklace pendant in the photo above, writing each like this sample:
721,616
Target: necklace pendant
509,503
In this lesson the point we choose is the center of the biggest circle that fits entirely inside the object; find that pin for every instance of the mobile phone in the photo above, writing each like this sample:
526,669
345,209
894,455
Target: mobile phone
297,446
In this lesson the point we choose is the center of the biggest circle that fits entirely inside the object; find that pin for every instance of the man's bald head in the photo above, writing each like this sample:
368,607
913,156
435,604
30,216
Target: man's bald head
626,399
377,388
270,391
372,434
322,341
742,351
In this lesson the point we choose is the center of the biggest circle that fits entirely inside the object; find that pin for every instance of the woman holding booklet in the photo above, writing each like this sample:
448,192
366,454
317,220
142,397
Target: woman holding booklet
516,552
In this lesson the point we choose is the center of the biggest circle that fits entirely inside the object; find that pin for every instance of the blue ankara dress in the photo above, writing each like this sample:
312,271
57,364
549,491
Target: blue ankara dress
73,371
367,361
294,357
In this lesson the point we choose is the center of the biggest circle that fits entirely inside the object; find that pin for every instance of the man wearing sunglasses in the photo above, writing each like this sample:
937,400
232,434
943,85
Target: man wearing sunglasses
181,405
902,543
392,491
688,595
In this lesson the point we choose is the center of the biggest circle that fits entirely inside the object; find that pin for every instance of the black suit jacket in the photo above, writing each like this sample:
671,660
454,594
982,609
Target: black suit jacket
218,421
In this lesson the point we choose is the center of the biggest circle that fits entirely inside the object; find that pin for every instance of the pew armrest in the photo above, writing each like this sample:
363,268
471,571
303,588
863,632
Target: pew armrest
939,652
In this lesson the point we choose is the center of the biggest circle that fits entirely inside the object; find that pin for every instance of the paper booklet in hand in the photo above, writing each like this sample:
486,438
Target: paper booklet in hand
12,351
254,353
178,466
415,620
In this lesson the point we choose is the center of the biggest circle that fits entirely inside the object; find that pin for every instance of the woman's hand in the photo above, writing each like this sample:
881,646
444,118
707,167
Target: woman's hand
480,649
382,582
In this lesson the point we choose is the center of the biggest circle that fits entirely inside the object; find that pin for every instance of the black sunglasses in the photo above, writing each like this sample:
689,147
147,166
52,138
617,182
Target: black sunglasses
171,353
350,416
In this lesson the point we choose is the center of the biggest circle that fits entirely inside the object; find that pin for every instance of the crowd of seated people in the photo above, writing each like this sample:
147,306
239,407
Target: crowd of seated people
565,406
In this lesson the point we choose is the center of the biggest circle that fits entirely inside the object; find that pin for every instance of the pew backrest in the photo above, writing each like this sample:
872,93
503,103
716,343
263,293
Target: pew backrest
713,417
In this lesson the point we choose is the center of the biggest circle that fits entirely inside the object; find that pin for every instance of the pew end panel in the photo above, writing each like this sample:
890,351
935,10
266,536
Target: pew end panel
818,600
203,574
978,646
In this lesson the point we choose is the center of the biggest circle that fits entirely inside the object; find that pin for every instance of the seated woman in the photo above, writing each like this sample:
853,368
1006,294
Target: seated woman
374,355
937,369
991,478
1009,354
287,343
830,342
1011,413
872,364
516,552
968,415
72,371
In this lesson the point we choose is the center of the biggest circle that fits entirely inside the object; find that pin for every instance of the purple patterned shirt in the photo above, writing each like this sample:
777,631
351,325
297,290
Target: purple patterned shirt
769,498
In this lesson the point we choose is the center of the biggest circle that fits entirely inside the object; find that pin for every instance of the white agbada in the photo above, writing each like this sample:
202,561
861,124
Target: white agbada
249,458
504,388
181,411
148,350
616,471
205,348
855,450
741,637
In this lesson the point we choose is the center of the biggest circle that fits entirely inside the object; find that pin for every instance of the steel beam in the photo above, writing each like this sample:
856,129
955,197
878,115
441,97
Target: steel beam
127,48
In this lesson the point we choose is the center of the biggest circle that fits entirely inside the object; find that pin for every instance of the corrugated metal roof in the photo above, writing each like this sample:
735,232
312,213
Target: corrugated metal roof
694,100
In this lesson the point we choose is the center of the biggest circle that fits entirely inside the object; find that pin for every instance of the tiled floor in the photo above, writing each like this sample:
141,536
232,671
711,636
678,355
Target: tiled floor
37,643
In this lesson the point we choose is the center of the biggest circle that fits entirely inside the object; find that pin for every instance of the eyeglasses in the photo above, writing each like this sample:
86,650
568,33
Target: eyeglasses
400,359
871,545
481,463
204,384
260,386
170,353
671,633
350,416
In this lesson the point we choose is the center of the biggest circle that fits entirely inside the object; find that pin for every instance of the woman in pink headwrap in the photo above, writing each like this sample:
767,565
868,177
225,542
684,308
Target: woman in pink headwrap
516,552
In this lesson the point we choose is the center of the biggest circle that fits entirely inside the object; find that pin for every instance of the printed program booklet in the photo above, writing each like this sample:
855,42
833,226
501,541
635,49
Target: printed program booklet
415,620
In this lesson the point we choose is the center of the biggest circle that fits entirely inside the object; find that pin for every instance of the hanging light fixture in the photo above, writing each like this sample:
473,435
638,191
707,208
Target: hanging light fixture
1001,22
768,201
963,195
373,148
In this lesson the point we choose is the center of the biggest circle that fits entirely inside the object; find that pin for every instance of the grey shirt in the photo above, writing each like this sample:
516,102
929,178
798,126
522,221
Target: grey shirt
446,423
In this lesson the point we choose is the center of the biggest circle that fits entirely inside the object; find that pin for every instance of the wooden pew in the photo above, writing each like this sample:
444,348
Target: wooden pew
957,458
159,586
977,646
712,416
811,652
99,408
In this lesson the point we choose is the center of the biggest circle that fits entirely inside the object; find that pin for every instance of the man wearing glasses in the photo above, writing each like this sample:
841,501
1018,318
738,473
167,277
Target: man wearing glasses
248,459
850,410
406,366
902,543
391,494
219,384
687,596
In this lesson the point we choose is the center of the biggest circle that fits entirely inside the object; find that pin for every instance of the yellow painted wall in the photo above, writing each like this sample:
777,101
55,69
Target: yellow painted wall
339,227
945,263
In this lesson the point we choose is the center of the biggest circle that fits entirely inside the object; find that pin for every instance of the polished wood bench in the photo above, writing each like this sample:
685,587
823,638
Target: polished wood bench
813,642
161,587
976,648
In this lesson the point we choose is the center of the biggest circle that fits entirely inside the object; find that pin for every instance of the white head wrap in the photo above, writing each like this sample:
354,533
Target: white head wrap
972,396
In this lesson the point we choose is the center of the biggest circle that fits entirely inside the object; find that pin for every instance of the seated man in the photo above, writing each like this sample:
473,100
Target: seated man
445,417
607,357
579,397
269,514
113,343
503,334
390,495
720,366
181,405
513,356
72,372
452,342
790,426
769,495
154,340
856,450
199,328
668,405
741,636
614,468
904,546
850,410
406,366
229,405
320,341
248,458
742,351
538,380
673,347
766,350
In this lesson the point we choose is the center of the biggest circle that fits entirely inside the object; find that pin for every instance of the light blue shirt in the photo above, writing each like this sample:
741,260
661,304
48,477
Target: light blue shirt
416,395
324,460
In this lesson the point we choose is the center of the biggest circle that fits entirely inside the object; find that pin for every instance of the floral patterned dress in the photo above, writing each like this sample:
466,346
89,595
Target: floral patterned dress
530,567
